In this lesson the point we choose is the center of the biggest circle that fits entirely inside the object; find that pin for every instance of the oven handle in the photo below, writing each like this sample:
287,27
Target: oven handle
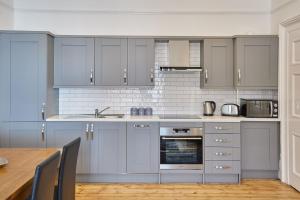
271,105
181,138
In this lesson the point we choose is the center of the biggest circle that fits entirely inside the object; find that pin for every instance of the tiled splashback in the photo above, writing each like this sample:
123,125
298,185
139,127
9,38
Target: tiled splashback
174,93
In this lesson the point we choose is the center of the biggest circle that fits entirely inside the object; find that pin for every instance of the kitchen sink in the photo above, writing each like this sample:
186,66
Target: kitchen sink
78,116
111,116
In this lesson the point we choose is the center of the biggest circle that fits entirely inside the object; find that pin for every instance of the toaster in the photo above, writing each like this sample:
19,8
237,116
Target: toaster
230,109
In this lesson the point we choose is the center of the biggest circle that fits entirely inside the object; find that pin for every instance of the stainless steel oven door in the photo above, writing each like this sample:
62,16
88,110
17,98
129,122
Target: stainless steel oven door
181,152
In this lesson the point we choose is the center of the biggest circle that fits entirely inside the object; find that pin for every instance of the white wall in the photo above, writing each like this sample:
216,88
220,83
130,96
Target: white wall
144,17
282,10
6,14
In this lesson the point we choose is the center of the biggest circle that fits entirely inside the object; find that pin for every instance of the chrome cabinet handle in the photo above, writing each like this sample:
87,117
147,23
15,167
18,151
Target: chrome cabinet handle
152,75
92,77
220,128
92,132
125,76
220,140
43,132
87,131
141,125
43,111
239,76
222,154
222,167
206,75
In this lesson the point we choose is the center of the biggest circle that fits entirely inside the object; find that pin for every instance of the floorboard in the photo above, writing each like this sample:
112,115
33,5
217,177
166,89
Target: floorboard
248,189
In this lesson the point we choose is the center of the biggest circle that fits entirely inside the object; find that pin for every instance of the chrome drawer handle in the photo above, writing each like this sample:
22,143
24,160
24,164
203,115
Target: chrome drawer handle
220,140
220,154
222,167
220,128
141,125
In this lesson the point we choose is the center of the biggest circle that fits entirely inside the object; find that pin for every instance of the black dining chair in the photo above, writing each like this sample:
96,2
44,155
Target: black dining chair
44,179
65,189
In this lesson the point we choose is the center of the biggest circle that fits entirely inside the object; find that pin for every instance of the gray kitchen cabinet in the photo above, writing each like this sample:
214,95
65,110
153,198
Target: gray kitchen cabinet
222,147
4,134
26,77
27,134
74,62
260,146
108,148
111,62
141,61
218,64
4,78
142,147
61,133
256,62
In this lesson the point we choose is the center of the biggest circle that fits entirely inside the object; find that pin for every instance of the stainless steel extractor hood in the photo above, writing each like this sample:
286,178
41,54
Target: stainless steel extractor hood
179,57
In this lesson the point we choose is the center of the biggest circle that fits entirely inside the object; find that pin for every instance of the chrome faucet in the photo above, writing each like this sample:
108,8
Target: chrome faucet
97,112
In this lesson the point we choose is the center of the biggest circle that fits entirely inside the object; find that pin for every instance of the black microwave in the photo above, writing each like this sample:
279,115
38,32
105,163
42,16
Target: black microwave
259,108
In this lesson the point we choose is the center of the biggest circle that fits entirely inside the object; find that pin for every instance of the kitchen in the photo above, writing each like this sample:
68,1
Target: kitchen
155,109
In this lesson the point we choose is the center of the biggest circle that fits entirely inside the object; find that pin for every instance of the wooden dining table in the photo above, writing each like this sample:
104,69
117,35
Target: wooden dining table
17,176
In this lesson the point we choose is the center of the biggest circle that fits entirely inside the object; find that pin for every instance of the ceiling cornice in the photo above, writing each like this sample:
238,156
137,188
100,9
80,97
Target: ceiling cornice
274,10
146,12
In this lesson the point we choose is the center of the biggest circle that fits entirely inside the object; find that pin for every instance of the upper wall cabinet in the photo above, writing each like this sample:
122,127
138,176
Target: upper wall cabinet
111,62
89,62
26,76
74,62
256,62
218,64
141,61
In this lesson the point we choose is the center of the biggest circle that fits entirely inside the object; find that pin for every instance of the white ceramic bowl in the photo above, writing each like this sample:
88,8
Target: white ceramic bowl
3,161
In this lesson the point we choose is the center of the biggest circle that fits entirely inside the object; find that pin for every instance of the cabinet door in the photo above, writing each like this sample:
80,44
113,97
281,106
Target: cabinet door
4,77
27,134
256,64
108,148
111,62
28,76
142,147
260,145
73,62
141,62
4,134
61,133
218,63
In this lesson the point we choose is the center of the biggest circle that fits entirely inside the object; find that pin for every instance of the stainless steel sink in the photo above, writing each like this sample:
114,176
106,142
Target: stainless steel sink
78,116
111,116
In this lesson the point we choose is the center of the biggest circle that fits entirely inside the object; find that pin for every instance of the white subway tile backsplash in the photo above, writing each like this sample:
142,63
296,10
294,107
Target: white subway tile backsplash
174,93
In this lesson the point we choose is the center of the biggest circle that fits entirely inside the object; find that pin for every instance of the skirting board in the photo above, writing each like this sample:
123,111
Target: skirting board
257,174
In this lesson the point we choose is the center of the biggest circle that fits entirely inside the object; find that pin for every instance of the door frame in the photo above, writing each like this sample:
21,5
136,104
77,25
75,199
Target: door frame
283,99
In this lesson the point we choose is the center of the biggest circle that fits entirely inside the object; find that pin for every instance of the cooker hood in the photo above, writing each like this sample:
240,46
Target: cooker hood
179,57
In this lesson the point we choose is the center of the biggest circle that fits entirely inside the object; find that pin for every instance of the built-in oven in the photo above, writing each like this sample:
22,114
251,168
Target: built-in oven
181,148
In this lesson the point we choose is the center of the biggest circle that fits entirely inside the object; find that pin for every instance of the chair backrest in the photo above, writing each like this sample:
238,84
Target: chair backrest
44,178
67,171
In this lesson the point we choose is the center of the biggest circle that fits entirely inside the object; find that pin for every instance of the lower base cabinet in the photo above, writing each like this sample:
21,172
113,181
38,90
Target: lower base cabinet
222,153
61,133
143,148
108,148
260,149
23,134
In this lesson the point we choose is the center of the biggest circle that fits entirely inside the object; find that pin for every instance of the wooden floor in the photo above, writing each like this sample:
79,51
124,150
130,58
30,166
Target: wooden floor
249,189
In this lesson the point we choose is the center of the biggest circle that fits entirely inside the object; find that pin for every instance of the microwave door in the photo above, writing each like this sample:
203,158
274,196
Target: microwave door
259,109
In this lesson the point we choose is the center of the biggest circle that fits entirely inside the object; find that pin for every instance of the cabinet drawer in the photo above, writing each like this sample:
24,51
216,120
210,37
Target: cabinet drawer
221,153
222,140
222,167
222,127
